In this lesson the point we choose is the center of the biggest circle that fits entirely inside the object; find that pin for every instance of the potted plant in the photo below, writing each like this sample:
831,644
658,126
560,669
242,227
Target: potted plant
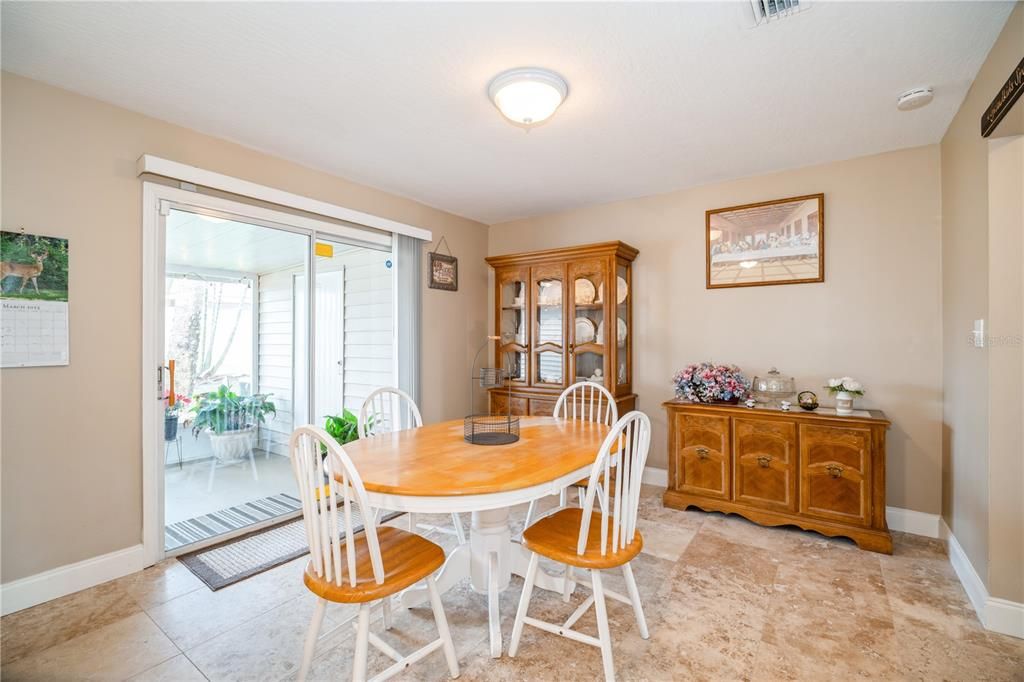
343,428
845,390
230,419
171,414
709,383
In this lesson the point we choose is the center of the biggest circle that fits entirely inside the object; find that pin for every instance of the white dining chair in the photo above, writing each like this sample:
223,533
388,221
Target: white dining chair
585,400
364,568
391,409
594,541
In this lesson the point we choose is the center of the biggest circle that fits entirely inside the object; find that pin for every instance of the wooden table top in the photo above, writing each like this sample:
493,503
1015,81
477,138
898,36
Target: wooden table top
435,461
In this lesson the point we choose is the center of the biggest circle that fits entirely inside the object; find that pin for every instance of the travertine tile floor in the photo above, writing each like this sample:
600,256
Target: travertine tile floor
725,600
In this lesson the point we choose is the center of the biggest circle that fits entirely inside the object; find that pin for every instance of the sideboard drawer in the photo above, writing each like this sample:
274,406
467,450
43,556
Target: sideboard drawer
765,463
702,455
835,473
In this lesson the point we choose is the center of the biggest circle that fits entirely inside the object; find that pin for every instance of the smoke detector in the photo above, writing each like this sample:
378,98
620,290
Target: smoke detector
914,99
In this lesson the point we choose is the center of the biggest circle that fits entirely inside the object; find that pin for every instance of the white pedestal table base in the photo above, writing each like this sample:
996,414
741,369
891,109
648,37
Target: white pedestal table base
489,559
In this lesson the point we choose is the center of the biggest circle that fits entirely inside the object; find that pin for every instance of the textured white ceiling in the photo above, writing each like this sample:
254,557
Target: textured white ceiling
662,96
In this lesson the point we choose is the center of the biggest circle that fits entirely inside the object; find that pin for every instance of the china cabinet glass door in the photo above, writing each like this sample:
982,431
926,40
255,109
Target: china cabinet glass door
548,304
513,288
621,305
587,321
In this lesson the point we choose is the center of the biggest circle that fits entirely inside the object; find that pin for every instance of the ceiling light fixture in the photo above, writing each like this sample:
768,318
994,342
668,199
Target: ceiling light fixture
528,96
914,99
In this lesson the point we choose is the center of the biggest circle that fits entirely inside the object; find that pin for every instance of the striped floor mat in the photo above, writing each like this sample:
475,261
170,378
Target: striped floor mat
239,558
226,520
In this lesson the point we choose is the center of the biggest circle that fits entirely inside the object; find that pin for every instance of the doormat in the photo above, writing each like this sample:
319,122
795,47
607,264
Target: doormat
239,558
227,520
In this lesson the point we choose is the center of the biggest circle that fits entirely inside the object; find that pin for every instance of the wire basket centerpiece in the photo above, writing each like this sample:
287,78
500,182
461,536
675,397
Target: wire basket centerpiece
490,429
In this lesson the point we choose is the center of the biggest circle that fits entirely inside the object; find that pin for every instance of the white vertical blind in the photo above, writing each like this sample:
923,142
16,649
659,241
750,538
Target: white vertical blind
409,290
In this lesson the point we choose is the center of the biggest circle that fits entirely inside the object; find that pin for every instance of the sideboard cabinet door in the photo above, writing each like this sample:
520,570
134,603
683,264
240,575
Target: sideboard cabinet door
835,473
702,455
765,463
501,402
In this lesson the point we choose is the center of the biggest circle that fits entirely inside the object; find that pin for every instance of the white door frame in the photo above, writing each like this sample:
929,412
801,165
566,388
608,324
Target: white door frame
157,199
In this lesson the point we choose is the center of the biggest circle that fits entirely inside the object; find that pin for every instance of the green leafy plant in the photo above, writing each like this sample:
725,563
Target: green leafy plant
344,427
224,410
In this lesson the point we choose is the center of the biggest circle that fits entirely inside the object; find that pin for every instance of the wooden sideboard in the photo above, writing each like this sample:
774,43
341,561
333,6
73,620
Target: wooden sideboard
818,471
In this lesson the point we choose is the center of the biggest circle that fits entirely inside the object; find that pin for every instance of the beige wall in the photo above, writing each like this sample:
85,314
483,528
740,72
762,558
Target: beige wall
876,316
71,441
968,467
1006,367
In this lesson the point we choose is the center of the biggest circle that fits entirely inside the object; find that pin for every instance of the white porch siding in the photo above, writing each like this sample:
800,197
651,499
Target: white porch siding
276,330
369,324
369,341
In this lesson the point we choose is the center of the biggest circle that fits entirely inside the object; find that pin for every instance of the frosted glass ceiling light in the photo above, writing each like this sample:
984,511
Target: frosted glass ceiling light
528,96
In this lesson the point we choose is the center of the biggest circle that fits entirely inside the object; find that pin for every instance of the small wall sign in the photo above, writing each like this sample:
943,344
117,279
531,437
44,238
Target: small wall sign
1004,100
444,269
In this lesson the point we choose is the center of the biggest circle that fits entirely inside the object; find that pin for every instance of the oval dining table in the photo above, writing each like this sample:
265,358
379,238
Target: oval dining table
433,470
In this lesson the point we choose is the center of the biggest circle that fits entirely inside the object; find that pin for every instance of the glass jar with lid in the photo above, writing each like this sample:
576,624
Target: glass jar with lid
772,388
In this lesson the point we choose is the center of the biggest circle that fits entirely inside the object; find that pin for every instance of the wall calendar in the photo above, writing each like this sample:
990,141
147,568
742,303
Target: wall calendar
33,300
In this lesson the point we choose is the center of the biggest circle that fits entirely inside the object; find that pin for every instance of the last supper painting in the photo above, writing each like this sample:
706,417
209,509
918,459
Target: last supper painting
772,242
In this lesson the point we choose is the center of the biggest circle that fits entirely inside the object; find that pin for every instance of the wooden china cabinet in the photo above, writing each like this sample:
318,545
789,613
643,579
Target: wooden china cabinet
563,315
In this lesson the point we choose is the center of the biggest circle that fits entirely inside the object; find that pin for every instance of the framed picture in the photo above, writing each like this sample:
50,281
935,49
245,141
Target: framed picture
772,242
444,272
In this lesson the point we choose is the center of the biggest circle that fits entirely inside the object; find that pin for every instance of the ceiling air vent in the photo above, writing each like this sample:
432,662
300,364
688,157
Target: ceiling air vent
770,10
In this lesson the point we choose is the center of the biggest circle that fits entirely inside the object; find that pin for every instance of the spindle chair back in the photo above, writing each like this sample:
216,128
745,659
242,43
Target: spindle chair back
387,409
585,400
391,409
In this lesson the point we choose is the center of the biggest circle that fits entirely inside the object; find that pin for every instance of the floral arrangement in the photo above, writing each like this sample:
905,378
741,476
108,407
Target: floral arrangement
705,383
845,385
180,402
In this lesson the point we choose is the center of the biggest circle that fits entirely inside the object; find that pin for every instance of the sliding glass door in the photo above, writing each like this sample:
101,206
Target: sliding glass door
252,351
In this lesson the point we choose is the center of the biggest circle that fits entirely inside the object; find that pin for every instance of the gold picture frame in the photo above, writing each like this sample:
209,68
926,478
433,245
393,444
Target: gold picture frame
766,243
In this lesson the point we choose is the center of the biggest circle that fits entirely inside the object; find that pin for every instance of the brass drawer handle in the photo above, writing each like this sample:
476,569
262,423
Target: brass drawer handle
764,461
834,470
703,453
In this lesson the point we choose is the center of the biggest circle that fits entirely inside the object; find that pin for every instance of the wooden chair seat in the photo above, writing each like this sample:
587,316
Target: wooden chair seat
407,557
556,537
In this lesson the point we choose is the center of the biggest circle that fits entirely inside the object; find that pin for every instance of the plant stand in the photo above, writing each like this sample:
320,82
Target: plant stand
231,448
167,446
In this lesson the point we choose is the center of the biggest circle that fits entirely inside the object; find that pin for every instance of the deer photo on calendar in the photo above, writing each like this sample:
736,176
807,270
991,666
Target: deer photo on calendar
33,267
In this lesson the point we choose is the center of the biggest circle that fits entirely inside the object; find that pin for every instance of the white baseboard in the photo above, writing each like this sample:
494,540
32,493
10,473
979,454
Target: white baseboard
998,615
915,522
36,589
655,476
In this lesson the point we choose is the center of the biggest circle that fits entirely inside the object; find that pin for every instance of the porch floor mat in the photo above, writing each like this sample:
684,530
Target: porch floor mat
216,523
240,558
